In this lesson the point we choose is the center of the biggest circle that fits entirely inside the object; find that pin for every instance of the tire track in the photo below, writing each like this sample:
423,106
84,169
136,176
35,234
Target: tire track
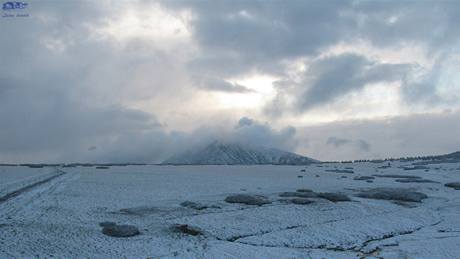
29,187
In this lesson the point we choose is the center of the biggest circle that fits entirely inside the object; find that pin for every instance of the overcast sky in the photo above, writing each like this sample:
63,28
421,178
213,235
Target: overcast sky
137,81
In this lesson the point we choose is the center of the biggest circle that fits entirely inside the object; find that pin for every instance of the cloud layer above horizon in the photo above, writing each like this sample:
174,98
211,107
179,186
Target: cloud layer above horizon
119,81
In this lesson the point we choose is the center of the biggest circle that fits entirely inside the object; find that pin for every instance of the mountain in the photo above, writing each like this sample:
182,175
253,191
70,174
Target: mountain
218,153
450,157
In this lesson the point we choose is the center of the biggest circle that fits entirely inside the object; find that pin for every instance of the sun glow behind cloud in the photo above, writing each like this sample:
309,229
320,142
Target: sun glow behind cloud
261,90
150,22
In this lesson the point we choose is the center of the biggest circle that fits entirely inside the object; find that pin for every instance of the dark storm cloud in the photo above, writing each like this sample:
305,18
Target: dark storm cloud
240,36
337,75
65,88
61,91
432,23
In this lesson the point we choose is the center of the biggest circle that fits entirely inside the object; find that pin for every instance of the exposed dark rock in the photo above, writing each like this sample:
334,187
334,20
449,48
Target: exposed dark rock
299,194
248,199
405,204
397,176
186,229
303,170
301,201
120,230
414,180
369,181
416,167
304,190
107,224
197,205
340,171
398,194
300,176
193,205
334,197
455,185
363,178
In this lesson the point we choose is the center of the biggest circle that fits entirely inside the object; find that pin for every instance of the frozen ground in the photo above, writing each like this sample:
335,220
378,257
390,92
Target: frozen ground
61,217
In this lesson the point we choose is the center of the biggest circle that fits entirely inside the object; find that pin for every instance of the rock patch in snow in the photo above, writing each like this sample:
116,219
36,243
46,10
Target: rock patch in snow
455,185
248,199
341,171
107,224
397,194
414,180
304,190
186,229
301,201
196,205
363,178
299,194
334,197
397,176
115,230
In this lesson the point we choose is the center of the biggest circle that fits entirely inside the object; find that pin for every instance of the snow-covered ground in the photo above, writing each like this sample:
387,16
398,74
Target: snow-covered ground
61,217
15,177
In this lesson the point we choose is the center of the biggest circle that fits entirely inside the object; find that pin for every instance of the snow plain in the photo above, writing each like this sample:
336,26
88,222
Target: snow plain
60,218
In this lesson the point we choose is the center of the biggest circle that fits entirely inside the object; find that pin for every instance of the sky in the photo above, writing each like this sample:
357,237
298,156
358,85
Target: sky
139,81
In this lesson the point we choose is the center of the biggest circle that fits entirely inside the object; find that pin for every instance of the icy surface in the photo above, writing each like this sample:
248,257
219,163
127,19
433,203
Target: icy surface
65,216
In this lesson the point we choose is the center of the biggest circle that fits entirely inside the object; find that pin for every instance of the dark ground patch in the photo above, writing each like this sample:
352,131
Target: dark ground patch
195,205
363,178
416,167
414,180
299,194
455,185
334,197
397,176
340,171
304,190
396,194
248,199
120,230
107,224
186,229
301,201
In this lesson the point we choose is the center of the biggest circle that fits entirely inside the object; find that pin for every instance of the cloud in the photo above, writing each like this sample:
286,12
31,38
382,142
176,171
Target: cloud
337,75
123,78
216,84
340,142
381,138
241,36
337,142
244,121
252,132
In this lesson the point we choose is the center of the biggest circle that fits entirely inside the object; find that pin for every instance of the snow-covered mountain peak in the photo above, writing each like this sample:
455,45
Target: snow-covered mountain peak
220,153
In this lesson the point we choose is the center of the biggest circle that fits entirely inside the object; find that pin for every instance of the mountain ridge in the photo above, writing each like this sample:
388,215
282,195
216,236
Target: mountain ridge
219,153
